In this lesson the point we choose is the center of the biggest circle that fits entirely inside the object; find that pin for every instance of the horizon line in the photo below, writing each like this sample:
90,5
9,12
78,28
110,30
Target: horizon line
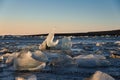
58,33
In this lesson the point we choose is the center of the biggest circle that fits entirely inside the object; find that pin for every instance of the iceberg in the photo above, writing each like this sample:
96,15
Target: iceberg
62,44
49,40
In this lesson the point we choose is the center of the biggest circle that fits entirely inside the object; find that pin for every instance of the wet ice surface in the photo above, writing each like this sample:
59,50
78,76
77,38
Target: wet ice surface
84,68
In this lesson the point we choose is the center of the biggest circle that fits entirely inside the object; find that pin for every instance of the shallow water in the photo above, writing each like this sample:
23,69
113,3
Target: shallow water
81,45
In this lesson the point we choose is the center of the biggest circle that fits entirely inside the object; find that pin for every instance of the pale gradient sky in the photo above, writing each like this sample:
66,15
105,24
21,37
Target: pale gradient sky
40,16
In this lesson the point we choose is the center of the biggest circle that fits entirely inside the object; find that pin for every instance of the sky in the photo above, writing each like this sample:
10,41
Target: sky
18,17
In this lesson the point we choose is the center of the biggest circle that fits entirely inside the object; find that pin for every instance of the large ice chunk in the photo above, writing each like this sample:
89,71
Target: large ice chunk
49,40
62,44
27,60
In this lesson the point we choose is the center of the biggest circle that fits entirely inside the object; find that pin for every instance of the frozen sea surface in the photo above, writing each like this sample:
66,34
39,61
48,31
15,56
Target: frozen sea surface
81,46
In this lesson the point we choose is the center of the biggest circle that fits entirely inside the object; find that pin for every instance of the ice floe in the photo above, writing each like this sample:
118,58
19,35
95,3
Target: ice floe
98,75
91,61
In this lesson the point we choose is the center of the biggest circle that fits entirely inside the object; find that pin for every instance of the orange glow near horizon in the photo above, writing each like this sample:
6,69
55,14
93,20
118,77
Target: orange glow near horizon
29,27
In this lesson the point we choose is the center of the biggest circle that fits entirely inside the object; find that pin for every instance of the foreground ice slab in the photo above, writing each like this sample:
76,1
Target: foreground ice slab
98,75
26,60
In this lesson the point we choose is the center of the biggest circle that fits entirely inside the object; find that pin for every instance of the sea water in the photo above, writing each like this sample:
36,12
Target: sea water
81,45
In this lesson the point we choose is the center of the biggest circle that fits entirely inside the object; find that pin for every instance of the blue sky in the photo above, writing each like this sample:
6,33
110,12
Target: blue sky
40,16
